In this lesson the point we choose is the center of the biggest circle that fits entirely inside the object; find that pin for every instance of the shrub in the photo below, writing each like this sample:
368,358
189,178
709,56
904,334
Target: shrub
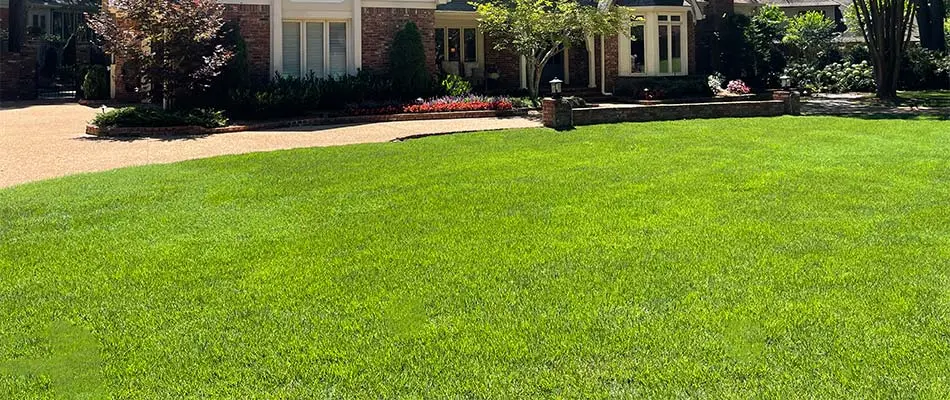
463,103
287,96
810,37
455,85
95,85
715,82
738,87
523,102
408,63
130,117
920,69
665,87
834,78
766,29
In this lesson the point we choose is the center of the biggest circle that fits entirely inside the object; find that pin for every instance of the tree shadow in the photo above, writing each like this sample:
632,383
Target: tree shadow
864,109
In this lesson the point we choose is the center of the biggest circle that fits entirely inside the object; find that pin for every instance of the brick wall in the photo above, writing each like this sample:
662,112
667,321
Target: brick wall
18,73
380,26
612,58
254,21
691,40
667,112
5,18
578,65
507,63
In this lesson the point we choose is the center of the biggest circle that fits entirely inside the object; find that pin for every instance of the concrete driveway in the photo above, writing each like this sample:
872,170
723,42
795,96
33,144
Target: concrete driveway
46,141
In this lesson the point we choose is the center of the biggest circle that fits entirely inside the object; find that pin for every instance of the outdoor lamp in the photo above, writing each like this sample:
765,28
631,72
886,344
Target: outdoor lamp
556,88
786,81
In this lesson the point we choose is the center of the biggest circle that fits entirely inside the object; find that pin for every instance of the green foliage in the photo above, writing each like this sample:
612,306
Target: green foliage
765,30
793,257
287,96
833,78
665,87
454,85
810,37
921,69
145,116
523,102
541,29
408,63
737,56
95,84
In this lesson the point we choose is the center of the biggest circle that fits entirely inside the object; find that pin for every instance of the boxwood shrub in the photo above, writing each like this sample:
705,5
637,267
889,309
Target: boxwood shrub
137,117
674,87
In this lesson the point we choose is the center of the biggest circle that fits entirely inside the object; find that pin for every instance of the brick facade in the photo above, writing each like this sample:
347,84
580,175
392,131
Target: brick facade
577,65
18,73
254,22
4,18
506,63
380,26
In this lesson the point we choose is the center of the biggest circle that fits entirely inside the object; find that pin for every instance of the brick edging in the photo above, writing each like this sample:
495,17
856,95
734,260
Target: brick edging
355,119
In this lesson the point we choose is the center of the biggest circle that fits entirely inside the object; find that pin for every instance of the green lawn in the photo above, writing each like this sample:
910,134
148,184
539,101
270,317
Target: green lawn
785,257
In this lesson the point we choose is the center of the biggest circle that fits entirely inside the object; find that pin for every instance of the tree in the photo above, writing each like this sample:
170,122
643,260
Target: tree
541,29
886,26
174,46
764,34
811,36
930,22
408,63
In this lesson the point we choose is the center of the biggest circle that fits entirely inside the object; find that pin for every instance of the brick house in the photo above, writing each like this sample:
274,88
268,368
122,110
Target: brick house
330,37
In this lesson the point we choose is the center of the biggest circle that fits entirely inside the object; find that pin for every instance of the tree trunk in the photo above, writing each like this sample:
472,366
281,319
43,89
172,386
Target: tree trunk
532,80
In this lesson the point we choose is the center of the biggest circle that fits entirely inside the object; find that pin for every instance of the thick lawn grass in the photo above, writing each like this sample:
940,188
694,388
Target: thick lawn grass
785,257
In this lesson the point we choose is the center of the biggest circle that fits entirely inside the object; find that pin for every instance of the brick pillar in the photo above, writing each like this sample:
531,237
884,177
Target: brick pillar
791,99
557,114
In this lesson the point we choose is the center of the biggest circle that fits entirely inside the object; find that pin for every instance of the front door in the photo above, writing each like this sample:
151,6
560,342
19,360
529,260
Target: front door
553,69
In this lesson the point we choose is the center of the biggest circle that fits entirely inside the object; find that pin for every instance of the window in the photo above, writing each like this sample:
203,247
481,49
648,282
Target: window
670,40
439,45
317,47
456,44
637,49
469,37
656,45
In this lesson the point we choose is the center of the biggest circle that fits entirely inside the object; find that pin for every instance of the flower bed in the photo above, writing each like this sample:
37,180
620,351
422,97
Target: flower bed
464,103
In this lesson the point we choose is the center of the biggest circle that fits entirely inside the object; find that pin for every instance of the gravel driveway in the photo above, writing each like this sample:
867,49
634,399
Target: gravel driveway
47,141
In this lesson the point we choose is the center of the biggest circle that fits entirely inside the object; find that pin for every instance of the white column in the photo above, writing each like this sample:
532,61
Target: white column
276,36
567,66
591,63
357,30
523,67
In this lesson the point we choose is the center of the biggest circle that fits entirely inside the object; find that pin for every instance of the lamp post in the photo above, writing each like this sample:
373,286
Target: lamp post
785,81
556,88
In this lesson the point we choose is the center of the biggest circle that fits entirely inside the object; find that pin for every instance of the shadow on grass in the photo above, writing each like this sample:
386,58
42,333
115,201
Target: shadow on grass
871,109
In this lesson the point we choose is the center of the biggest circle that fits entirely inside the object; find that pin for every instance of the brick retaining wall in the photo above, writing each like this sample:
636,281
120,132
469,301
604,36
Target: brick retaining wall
667,112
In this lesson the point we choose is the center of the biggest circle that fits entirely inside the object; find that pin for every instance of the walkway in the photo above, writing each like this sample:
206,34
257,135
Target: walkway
47,141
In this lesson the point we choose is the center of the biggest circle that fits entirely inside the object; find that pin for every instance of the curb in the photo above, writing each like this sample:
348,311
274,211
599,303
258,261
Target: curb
355,119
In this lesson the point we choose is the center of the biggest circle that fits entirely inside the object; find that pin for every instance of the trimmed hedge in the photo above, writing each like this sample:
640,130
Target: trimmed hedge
673,87
141,117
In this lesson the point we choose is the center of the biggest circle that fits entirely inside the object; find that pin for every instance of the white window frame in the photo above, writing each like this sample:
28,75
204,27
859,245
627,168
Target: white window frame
304,71
651,28
462,52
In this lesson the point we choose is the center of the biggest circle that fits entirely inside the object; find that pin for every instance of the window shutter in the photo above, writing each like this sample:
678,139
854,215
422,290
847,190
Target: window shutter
315,49
291,48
